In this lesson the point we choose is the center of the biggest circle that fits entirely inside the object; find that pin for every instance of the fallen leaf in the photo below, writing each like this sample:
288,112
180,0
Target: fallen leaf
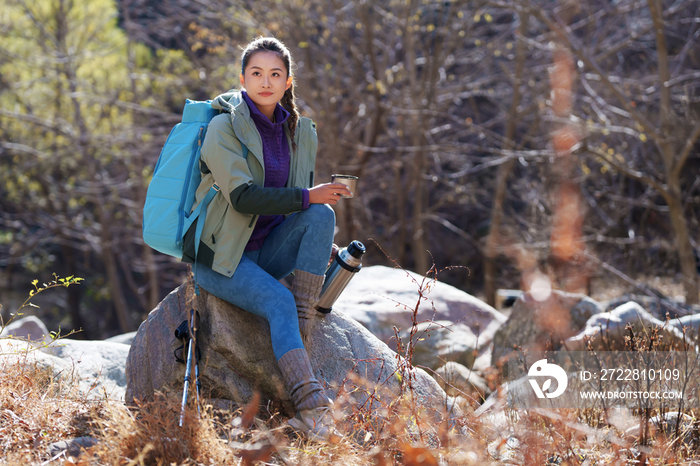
263,453
250,410
417,456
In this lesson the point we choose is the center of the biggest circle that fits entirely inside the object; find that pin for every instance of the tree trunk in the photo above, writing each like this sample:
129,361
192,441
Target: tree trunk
418,241
110,263
148,256
669,155
493,239
419,238
74,297
504,170
400,209
684,247
88,158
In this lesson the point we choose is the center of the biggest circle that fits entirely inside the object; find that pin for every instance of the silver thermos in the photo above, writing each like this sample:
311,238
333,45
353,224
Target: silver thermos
347,263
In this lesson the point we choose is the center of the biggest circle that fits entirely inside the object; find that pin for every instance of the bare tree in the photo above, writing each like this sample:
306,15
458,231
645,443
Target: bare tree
505,169
622,98
73,171
444,110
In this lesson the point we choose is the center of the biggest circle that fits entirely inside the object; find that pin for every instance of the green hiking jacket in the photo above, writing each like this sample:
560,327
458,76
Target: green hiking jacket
227,231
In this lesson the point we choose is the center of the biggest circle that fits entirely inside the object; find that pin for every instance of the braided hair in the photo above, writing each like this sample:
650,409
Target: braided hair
270,44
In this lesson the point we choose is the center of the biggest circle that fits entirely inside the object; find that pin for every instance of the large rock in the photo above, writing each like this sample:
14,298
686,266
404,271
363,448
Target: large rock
607,331
539,325
150,364
658,306
457,380
14,351
72,447
27,328
666,425
95,369
439,341
99,365
124,338
690,323
381,298
237,357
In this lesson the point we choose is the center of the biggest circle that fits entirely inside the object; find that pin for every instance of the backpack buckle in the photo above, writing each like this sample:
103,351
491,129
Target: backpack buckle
216,187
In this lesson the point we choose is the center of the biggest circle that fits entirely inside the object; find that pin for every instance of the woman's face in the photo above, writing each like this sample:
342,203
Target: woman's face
265,79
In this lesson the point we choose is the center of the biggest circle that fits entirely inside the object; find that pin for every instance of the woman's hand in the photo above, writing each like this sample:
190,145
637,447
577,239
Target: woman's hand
328,193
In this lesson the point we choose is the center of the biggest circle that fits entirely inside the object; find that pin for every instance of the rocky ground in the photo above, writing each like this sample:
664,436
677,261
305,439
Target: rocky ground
384,319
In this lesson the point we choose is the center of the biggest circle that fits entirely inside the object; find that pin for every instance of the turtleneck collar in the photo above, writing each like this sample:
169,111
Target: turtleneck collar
262,122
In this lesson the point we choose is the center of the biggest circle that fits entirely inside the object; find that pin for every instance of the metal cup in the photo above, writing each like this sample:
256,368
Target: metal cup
348,180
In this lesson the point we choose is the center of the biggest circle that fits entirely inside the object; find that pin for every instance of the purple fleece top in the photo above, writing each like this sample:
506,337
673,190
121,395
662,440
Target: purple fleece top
276,156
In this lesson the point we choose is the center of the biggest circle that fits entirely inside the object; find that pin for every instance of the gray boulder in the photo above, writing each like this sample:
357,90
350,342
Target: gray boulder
666,425
21,351
381,298
72,447
457,380
690,323
237,358
506,298
606,331
482,364
508,451
440,341
98,365
150,364
657,306
94,368
539,325
29,328
124,338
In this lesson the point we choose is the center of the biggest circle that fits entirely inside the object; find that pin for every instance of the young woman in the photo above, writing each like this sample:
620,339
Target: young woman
268,220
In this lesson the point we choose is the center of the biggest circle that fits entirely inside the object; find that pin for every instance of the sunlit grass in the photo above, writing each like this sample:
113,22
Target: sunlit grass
37,410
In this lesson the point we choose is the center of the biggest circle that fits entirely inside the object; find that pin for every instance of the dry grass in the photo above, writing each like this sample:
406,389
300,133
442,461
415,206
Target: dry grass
37,410
605,288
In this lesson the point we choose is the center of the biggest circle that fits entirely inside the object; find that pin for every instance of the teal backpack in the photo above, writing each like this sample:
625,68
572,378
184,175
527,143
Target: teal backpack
171,193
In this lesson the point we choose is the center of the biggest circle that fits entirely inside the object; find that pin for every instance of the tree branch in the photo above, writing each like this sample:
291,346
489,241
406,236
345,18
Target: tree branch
627,171
577,49
9,146
689,143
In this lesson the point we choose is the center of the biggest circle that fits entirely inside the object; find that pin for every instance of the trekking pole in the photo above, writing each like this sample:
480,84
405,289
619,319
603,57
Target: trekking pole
197,382
191,359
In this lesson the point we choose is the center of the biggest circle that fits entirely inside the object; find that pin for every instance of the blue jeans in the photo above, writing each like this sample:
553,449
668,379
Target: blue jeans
303,241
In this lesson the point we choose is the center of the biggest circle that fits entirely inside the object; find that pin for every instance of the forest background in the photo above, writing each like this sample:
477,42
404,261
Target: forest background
521,141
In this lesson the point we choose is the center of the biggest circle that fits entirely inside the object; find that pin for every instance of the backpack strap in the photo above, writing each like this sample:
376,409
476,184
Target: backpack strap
202,218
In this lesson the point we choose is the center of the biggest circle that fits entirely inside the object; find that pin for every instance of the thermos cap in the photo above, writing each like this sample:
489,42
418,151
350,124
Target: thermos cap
356,249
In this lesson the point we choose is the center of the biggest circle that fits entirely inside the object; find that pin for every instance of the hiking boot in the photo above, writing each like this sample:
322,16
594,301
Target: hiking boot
317,423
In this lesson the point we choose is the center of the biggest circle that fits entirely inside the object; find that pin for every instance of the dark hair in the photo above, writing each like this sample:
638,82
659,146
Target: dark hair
270,44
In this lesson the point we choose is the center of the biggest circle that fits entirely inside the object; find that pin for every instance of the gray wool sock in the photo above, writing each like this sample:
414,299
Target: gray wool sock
306,289
304,389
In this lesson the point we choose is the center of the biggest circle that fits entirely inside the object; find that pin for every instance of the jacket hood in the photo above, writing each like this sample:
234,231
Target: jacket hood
229,102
